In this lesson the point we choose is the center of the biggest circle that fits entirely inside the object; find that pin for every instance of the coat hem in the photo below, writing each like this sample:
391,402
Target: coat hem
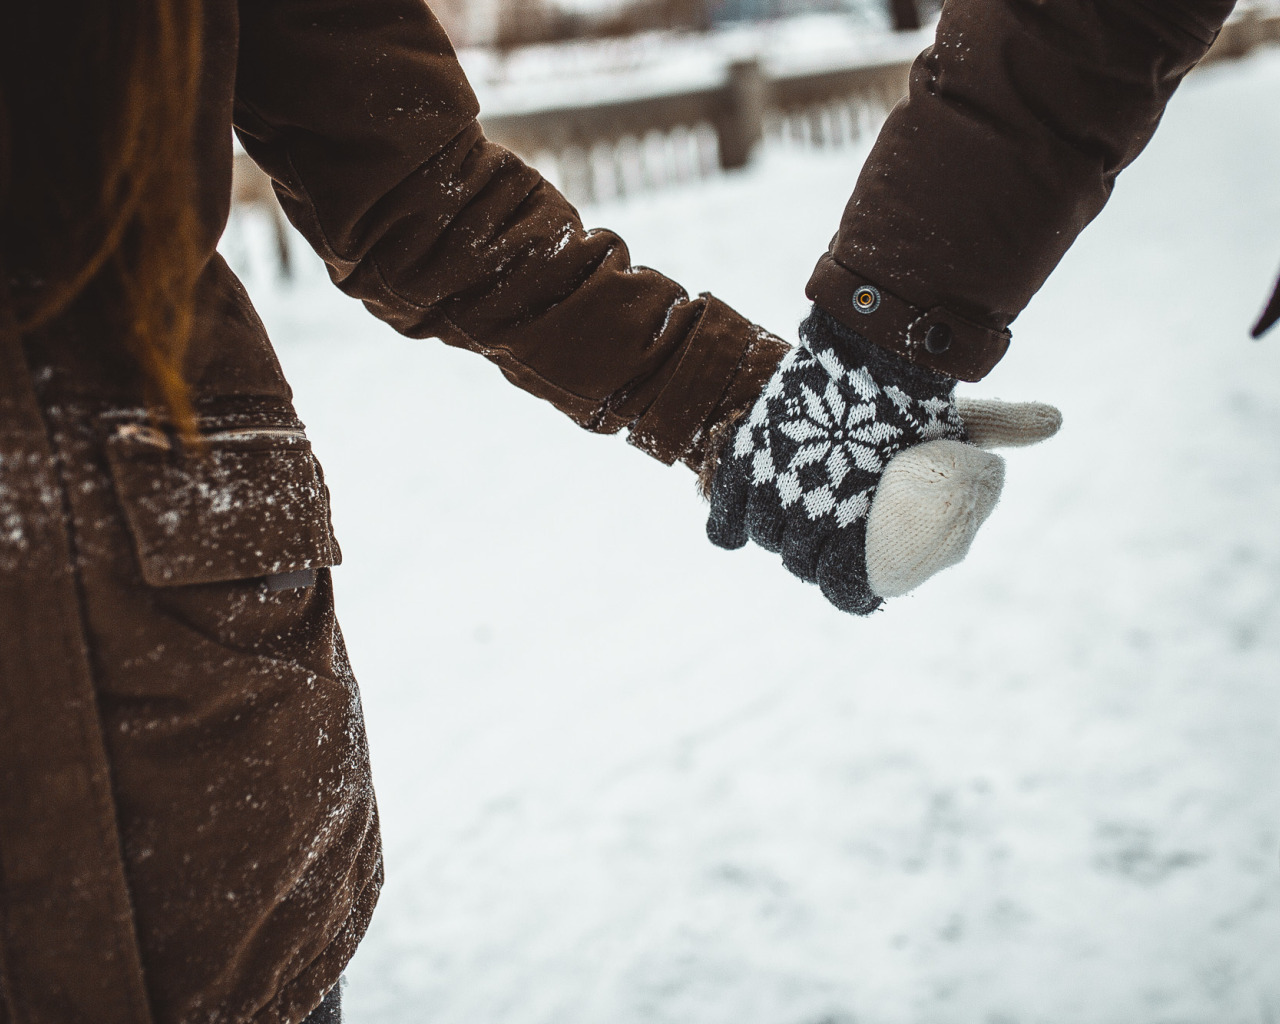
298,997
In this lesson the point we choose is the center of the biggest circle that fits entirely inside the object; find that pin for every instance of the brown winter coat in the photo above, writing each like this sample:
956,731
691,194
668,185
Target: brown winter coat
187,827
1018,120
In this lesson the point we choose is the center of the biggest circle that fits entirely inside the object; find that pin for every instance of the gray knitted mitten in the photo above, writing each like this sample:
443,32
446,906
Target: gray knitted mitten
798,475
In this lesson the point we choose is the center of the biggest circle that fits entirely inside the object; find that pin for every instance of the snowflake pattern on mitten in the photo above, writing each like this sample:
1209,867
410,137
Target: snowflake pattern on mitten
800,473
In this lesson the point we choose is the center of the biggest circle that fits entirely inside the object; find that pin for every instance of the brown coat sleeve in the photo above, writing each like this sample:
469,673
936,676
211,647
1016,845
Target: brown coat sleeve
1018,120
361,113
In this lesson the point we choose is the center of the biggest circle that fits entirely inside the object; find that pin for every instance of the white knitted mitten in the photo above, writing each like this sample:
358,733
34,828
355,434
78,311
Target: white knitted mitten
933,497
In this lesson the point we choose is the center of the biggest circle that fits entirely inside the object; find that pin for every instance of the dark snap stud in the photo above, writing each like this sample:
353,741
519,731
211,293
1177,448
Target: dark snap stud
866,299
937,339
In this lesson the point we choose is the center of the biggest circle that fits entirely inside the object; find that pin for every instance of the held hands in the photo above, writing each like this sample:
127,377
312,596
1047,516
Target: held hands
853,465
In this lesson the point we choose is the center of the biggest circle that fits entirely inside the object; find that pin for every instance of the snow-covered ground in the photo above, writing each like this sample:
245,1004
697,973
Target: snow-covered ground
627,778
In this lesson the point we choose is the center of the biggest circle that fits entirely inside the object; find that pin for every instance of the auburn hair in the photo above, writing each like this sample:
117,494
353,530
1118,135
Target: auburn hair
98,103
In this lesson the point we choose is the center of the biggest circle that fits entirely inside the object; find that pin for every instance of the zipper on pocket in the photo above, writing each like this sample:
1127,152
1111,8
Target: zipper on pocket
253,433
146,434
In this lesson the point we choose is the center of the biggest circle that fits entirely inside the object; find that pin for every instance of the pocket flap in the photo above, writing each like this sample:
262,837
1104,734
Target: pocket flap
252,503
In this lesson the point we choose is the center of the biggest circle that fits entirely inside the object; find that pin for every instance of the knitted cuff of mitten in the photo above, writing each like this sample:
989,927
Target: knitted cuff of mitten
759,361
818,330
821,330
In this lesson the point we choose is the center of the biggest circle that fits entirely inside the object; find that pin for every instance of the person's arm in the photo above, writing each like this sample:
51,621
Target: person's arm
360,112
1018,120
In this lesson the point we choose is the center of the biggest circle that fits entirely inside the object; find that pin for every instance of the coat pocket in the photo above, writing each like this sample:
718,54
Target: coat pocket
250,503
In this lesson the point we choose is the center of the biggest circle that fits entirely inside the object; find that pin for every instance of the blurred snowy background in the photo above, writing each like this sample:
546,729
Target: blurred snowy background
627,778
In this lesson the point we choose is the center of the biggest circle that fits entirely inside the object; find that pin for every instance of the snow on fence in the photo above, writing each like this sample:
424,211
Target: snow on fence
621,146
604,132
601,147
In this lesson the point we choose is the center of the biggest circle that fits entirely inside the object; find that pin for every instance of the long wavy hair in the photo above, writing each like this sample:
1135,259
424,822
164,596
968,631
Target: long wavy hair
98,101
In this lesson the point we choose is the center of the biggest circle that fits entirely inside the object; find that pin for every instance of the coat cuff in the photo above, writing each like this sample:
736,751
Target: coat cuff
936,338
675,421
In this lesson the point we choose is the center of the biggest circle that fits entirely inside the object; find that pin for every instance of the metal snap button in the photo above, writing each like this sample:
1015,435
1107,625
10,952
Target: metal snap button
938,339
866,299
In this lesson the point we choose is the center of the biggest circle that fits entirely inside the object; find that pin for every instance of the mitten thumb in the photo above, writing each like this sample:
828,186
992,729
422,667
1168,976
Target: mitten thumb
990,423
927,509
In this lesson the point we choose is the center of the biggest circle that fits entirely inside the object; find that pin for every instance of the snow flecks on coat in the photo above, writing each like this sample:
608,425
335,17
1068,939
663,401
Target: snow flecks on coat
244,815
28,487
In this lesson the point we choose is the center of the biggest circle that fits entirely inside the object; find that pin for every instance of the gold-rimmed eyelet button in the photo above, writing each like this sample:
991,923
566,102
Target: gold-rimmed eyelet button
866,299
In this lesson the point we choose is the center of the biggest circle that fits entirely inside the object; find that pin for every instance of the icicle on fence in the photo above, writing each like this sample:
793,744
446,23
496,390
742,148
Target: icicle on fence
633,166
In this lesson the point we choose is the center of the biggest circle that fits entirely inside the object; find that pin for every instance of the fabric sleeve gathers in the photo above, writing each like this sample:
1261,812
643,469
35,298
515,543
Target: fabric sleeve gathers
362,115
